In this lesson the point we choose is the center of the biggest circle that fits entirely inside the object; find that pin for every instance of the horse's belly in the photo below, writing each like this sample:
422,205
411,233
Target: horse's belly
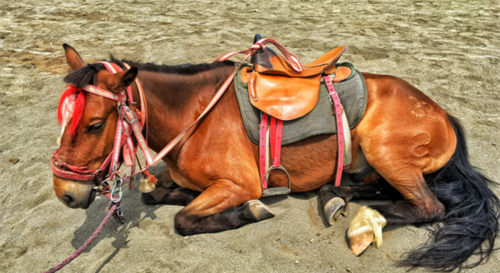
182,181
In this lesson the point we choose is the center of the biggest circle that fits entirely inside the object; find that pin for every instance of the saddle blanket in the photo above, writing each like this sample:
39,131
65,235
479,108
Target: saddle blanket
321,120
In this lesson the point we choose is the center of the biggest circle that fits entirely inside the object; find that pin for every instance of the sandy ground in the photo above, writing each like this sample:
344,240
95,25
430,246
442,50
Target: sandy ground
448,49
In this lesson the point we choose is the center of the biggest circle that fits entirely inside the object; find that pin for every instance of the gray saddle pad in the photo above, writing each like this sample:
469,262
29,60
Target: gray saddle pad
320,121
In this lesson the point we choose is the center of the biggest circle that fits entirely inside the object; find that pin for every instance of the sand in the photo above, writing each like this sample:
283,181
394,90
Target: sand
448,49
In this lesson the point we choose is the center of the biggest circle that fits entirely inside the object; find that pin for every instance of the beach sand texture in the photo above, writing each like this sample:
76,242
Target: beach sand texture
448,49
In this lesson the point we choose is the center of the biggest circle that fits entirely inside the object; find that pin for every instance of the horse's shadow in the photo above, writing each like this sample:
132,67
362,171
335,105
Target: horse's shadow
132,217
132,198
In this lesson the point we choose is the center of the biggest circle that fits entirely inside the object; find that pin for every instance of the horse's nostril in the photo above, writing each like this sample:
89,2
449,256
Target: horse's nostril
68,200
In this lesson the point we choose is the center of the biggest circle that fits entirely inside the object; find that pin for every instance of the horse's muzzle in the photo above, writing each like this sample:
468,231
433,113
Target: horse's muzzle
74,194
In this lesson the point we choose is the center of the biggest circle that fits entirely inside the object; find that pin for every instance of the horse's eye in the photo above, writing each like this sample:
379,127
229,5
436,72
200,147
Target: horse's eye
95,127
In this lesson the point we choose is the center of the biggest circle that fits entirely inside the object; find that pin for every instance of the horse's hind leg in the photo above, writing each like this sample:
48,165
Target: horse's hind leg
222,206
334,200
403,135
169,193
420,205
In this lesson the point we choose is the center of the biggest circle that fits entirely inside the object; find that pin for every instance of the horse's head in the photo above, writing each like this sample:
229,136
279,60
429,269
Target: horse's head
89,123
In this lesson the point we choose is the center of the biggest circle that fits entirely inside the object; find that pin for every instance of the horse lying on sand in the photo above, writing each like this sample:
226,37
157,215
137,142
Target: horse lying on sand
405,147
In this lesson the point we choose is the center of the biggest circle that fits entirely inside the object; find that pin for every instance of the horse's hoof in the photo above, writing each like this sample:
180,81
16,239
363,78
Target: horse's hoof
148,199
360,242
155,197
365,228
259,210
333,209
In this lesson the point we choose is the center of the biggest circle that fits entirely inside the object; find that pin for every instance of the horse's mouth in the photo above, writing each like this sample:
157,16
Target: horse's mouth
91,199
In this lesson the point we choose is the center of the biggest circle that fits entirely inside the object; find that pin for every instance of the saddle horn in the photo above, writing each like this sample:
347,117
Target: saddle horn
262,58
255,39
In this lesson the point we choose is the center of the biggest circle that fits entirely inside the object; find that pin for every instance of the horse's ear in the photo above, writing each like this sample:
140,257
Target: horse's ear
122,80
73,58
129,77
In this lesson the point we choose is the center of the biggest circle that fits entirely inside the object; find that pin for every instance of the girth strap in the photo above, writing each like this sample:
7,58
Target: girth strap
275,142
262,149
340,129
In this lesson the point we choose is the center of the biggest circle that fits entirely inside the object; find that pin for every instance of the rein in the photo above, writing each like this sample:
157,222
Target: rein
127,124
58,267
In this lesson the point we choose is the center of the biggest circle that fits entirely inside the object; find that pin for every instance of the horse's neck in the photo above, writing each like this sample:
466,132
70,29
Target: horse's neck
175,101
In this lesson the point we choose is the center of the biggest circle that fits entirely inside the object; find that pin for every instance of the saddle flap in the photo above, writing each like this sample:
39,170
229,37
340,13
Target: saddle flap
282,97
341,73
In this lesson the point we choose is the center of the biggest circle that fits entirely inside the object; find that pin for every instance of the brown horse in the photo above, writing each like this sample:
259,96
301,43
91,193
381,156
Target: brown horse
406,147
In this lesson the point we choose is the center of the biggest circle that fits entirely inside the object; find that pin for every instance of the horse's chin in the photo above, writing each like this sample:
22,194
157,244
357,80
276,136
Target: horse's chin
86,204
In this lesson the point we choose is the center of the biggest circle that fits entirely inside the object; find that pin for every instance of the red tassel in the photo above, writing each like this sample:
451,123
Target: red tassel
77,111
151,177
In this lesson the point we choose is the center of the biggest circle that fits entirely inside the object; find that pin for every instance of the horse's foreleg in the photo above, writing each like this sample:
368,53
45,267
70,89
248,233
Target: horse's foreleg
222,206
334,200
169,193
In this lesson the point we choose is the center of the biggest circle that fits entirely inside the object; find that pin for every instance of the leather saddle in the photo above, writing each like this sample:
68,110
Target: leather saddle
278,90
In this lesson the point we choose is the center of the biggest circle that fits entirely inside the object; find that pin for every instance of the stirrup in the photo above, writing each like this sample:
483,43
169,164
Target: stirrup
277,190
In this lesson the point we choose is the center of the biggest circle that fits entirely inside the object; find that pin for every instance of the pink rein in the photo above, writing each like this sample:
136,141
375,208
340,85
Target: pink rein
86,244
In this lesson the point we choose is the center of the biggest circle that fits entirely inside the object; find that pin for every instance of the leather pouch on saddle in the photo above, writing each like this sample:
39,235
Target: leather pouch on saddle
278,90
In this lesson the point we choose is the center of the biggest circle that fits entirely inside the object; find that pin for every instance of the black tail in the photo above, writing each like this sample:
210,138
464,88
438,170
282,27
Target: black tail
472,214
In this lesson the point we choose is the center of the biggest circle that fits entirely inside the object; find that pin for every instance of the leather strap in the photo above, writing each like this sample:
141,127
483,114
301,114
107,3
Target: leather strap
118,137
262,149
63,170
251,51
113,69
347,142
100,92
276,133
340,129
77,174
260,45
128,153
276,137
122,135
131,118
142,99
119,141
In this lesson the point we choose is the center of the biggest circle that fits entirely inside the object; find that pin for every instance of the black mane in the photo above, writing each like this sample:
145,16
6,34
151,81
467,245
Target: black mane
87,74
84,75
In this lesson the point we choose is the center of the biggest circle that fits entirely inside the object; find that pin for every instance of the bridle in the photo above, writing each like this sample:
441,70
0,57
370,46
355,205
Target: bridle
127,123
130,122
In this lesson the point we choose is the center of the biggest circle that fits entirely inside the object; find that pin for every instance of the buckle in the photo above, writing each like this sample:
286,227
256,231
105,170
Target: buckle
130,115
331,76
118,214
